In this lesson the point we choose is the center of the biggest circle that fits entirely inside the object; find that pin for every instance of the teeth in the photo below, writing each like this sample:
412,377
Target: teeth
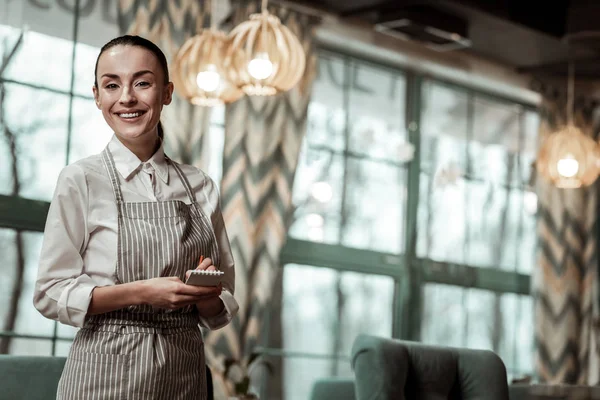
129,115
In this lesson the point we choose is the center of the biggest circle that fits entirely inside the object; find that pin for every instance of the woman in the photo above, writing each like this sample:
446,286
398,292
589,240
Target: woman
124,229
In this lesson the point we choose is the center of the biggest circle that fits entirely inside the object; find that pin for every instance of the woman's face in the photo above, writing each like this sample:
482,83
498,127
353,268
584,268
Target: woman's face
131,92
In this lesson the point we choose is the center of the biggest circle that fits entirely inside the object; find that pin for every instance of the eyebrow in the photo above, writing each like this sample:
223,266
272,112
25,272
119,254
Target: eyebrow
135,75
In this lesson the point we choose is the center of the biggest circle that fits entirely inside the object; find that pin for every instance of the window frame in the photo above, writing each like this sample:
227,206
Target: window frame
410,273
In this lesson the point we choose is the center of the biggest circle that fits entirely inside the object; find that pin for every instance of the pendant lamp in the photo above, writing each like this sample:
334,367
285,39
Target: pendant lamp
264,56
199,73
568,158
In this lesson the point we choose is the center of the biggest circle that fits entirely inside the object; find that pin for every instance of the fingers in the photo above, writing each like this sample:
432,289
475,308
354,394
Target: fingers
192,290
205,263
186,300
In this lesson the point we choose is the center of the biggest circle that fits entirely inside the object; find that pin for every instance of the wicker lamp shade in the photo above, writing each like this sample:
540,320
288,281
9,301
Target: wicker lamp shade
264,56
198,71
569,158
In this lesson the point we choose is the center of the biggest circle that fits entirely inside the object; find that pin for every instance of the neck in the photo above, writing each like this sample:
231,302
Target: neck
143,148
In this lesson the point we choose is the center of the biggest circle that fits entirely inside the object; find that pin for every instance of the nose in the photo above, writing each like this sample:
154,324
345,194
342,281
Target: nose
127,96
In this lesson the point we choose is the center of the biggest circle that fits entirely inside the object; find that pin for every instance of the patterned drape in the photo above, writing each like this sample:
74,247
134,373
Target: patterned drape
565,283
262,143
169,24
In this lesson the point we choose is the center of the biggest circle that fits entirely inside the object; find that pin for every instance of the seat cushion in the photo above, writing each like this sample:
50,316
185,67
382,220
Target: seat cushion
333,389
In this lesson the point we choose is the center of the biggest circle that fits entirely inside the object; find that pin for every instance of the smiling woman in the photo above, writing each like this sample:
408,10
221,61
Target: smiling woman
131,87
124,230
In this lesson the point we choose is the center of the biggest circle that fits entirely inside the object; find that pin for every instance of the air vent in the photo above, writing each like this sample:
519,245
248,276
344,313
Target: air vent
433,28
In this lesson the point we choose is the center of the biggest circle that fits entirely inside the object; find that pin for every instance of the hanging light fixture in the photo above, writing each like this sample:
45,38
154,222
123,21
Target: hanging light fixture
198,68
568,158
264,56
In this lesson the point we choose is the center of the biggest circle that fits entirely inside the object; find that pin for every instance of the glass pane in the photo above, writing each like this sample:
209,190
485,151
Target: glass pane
528,238
26,66
40,138
325,313
8,271
300,375
444,130
28,319
495,142
91,133
377,109
447,301
66,331
6,163
30,347
374,208
480,319
442,191
496,230
528,152
326,121
317,196
478,187
441,207
62,348
85,64
215,141
97,25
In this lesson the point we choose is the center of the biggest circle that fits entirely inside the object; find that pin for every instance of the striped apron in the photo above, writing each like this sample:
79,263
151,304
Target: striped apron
142,352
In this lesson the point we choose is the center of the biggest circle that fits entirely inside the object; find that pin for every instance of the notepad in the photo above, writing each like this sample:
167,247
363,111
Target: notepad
199,277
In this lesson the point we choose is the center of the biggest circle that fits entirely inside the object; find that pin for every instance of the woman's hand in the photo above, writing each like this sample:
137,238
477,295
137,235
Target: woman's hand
205,265
171,293
208,306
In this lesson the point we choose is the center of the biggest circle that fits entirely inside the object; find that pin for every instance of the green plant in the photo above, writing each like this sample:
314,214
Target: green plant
237,372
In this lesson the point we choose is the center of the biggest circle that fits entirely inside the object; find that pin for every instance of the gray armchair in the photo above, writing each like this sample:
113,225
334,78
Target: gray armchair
387,369
29,378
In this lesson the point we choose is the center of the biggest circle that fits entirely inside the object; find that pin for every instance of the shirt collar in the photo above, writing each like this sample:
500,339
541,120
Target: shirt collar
128,164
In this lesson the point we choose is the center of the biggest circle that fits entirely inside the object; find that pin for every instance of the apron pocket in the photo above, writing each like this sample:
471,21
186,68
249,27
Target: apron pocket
96,375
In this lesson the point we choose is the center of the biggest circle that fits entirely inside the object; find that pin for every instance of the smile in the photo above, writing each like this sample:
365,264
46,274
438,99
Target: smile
130,115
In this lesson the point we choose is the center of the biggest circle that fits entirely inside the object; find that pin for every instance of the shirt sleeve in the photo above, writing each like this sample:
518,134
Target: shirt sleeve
63,291
226,262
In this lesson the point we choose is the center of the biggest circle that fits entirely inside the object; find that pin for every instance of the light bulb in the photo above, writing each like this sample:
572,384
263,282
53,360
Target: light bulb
322,191
209,79
567,166
260,67
315,220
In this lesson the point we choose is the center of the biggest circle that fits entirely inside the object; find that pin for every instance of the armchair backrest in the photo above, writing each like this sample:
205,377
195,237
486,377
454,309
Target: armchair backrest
388,369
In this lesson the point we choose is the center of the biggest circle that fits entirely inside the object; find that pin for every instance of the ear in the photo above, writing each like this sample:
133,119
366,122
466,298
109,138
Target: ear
168,94
96,97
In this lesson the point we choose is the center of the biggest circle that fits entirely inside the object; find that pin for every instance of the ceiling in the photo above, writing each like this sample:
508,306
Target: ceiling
536,36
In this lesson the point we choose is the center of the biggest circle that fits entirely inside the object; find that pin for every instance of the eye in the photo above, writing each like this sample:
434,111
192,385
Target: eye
111,86
143,84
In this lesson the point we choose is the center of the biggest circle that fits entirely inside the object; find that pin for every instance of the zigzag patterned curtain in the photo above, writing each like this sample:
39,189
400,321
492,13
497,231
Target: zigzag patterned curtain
565,284
169,24
262,144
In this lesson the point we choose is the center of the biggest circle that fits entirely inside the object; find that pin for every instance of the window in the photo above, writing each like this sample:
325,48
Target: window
47,119
362,191
475,165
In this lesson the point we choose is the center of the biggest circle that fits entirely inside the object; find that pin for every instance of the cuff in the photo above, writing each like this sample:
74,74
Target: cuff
75,300
224,317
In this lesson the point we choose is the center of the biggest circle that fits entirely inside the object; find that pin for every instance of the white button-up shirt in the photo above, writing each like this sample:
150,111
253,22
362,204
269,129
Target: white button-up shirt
79,250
